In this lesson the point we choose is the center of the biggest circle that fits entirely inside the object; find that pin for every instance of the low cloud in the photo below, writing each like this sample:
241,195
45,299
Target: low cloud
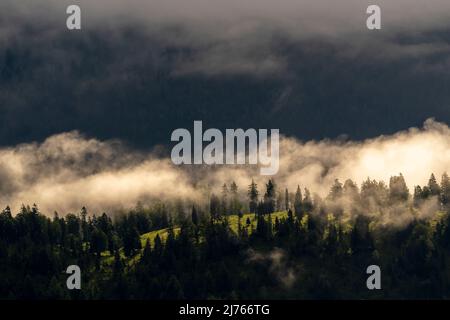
68,171
277,265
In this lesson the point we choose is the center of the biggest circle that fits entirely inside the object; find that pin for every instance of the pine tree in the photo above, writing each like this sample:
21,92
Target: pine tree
235,205
290,216
195,223
240,215
194,216
269,197
445,190
234,188
158,246
118,265
435,189
286,199
214,207
263,227
350,190
417,198
253,196
224,206
336,191
307,202
84,225
147,252
99,241
131,241
398,191
298,202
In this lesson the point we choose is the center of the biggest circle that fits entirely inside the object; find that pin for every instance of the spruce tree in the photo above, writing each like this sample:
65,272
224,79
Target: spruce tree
435,189
253,196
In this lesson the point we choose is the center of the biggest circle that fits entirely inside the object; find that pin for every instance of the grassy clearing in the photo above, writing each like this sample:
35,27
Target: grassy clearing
233,220
163,233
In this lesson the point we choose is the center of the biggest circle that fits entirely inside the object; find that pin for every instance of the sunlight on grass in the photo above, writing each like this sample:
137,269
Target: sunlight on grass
163,233
233,220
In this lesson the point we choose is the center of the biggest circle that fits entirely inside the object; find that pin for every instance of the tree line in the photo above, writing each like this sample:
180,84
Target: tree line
317,248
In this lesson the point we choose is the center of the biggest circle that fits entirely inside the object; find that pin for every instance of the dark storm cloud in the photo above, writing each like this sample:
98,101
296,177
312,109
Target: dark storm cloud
139,70
237,36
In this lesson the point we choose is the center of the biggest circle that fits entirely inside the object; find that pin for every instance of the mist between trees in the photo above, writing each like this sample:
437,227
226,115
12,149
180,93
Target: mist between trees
285,244
68,171
225,232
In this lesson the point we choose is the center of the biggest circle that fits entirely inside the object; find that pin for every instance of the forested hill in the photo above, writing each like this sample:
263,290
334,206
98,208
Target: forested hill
289,246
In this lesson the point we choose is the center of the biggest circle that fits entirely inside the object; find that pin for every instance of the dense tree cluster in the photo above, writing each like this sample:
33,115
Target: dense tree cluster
318,248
